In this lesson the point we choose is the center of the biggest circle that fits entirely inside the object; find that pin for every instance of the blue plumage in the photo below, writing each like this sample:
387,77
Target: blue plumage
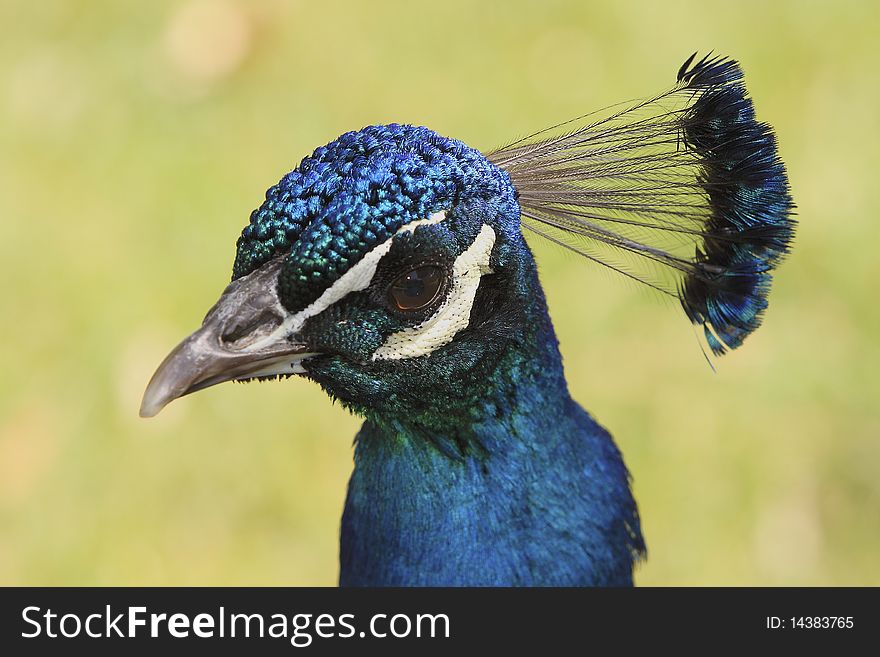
390,267
352,194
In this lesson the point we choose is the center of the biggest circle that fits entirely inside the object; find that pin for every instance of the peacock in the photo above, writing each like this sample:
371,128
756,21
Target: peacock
391,268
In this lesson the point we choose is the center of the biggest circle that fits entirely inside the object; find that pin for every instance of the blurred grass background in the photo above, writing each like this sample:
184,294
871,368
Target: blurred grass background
135,138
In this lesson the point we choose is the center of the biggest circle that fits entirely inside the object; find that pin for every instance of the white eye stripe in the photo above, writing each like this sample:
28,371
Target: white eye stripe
357,278
453,314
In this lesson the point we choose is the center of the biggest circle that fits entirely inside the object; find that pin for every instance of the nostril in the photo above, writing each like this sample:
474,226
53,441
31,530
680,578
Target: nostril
247,329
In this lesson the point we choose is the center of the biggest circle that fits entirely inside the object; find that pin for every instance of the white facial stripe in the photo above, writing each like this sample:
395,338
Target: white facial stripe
357,278
455,312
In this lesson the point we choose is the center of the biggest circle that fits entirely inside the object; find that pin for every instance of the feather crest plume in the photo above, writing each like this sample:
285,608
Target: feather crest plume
684,192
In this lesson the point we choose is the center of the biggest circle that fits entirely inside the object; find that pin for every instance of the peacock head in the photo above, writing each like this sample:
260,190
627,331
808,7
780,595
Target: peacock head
364,269
390,265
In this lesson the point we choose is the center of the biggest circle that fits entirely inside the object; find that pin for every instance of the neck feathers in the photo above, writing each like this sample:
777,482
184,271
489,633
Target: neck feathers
513,485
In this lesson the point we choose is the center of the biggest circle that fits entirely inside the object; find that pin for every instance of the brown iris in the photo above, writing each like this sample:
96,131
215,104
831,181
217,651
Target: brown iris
416,289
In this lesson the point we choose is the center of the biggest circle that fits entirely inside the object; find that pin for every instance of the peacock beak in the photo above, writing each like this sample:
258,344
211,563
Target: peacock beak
244,336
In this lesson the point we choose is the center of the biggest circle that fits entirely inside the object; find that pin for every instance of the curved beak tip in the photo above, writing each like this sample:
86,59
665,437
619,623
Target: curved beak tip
151,406
174,377
158,394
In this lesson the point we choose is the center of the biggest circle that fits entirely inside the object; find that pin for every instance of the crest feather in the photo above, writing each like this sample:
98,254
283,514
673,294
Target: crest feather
684,192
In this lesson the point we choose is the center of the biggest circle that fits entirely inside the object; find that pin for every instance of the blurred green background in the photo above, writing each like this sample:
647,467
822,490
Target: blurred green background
135,138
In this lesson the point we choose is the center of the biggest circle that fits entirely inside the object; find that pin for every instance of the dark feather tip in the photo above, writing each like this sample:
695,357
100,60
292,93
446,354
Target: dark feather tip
751,208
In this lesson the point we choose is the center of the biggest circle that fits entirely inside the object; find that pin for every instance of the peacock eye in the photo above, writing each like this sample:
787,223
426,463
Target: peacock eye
416,289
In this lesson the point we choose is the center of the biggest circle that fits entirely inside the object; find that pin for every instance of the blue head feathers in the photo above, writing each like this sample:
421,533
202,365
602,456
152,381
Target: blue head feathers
353,194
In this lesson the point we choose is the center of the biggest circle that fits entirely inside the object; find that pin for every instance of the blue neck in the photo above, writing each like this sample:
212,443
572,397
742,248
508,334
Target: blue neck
531,492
